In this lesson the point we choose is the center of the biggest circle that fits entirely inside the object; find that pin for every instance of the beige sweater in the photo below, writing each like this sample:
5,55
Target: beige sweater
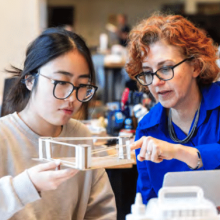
88,195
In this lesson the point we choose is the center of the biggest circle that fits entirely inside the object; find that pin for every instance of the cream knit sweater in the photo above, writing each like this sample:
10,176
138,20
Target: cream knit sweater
88,195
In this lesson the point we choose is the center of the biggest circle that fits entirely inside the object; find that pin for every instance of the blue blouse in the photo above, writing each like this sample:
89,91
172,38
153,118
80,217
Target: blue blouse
206,139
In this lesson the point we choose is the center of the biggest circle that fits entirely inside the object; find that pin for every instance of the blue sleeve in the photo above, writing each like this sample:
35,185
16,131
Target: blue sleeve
210,155
144,185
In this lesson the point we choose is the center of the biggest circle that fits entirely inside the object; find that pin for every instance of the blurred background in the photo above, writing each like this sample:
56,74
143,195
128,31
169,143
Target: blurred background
22,20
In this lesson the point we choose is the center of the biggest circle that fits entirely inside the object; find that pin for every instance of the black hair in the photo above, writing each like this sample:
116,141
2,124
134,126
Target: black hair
52,43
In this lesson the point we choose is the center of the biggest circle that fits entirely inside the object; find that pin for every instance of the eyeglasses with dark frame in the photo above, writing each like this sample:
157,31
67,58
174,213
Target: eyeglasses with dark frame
164,73
63,89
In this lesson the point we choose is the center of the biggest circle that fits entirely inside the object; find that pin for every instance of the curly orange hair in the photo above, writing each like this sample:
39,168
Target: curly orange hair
177,31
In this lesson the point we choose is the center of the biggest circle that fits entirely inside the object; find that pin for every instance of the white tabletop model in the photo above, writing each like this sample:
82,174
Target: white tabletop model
88,152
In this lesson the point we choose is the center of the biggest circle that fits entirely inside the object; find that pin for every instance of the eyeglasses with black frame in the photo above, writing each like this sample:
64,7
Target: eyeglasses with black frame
164,73
63,89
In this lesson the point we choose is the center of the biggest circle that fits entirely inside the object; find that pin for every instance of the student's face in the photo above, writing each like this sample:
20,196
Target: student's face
177,91
71,67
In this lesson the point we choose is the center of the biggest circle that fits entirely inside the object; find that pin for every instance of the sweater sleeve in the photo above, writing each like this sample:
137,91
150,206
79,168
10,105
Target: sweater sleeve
101,204
15,193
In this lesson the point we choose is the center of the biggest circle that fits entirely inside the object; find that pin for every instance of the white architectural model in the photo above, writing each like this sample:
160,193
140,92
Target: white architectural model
175,203
88,152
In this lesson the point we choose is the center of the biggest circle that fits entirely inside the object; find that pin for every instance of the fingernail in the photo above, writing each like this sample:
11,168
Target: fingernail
132,145
140,158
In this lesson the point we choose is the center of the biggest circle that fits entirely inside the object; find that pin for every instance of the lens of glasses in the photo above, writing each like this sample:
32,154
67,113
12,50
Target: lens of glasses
84,93
62,90
145,78
165,73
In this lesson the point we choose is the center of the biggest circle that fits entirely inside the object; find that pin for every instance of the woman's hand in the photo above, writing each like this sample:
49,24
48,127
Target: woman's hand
154,149
45,177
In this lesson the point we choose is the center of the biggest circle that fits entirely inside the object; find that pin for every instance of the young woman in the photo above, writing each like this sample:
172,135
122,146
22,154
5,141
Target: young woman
57,80
177,62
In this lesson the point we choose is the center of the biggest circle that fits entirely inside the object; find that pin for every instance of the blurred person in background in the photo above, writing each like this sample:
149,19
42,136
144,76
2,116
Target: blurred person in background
123,29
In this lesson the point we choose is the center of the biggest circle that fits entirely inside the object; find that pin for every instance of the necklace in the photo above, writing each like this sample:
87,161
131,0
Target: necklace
190,134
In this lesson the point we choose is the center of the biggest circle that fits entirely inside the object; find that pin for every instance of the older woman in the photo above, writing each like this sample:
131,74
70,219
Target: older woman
177,63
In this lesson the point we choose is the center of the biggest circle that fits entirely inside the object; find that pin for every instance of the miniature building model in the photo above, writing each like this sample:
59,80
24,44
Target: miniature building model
87,152
175,203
